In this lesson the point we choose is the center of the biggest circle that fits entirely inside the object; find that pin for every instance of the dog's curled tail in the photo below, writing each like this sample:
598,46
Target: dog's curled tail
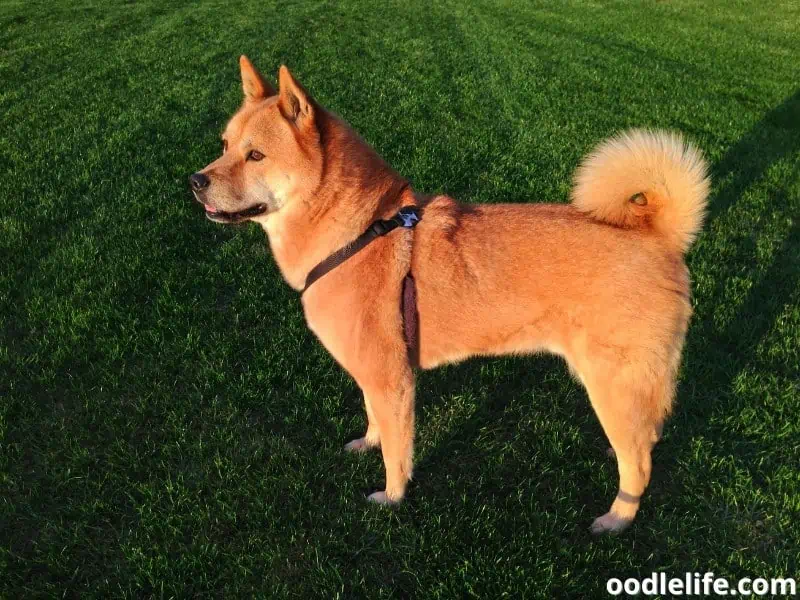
646,179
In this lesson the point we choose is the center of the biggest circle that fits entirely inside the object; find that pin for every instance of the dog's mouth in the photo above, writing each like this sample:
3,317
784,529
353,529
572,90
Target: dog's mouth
221,216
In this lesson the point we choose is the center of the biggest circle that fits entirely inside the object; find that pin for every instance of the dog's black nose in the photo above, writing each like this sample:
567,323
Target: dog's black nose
199,181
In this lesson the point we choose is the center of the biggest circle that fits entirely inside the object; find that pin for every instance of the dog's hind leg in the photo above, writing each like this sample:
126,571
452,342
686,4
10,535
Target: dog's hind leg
632,420
372,438
610,451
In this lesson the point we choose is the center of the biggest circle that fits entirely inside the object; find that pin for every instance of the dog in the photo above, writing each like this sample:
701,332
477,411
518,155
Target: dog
600,281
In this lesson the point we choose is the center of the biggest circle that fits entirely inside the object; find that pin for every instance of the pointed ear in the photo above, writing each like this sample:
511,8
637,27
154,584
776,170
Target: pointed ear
254,85
295,104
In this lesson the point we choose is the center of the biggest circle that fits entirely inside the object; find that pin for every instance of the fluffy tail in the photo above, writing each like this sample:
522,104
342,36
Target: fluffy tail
646,179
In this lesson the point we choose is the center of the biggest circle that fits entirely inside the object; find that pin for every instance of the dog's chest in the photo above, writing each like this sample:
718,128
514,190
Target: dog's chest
334,328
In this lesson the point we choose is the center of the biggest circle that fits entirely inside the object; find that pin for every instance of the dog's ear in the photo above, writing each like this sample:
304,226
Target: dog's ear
294,102
254,85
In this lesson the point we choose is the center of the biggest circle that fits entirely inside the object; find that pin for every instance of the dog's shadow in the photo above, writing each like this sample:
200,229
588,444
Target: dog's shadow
719,347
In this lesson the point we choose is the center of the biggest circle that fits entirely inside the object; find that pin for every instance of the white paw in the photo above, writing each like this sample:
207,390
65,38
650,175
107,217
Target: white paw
610,453
381,498
609,523
359,445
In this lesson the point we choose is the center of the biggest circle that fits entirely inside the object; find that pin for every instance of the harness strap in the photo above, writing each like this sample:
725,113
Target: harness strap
408,307
407,217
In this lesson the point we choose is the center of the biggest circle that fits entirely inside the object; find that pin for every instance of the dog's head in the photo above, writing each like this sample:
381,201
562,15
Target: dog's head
271,152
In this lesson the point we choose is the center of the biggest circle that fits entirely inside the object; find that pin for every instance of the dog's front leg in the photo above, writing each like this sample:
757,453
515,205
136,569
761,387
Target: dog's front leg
372,438
368,343
391,404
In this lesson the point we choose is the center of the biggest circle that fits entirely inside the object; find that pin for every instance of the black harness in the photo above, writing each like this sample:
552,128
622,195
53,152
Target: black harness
407,217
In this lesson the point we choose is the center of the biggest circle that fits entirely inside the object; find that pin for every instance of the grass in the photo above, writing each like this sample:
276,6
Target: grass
170,428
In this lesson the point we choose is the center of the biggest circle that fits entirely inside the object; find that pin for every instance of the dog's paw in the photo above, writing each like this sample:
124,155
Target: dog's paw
610,453
382,498
359,445
609,523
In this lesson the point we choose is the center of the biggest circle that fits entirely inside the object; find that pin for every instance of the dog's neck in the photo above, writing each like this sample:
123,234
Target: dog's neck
358,187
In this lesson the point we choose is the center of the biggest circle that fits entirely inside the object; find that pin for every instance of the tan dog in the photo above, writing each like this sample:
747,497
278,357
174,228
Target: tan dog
601,282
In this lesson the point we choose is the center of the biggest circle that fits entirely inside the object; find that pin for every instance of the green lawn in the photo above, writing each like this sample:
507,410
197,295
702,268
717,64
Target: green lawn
170,428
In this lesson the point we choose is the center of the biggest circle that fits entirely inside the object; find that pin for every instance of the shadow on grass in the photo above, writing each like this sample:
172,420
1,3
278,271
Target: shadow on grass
717,354
774,137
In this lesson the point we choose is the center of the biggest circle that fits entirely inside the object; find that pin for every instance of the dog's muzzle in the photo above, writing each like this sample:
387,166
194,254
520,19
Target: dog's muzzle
200,182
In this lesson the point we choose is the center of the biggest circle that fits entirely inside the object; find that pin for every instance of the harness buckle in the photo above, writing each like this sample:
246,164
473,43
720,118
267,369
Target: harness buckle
409,216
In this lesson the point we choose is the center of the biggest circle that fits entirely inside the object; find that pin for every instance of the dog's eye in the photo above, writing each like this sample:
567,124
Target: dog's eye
255,155
224,146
